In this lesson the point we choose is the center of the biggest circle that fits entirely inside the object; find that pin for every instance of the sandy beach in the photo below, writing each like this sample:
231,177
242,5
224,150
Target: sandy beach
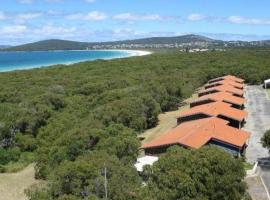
130,52
138,52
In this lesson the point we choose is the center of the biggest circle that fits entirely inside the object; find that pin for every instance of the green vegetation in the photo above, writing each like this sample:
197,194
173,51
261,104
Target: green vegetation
208,173
248,166
79,119
50,45
18,164
266,140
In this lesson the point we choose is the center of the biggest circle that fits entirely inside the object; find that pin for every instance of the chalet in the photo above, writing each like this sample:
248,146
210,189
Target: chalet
222,88
198,133
228,77
236,102
225,82
235,117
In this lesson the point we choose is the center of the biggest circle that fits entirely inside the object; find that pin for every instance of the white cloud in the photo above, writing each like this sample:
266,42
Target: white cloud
52,30
16,29
251,21
196,17
137,17
91,16
29,15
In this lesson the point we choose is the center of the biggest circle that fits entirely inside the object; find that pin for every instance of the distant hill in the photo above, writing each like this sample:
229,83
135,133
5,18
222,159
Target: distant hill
167,40
55,44
4,46
185,41
49,45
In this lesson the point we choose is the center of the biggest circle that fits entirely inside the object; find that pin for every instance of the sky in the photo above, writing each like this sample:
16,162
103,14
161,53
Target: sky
24,21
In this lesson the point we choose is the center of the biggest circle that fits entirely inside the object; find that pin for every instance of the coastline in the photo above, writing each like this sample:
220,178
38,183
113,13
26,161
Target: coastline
129,53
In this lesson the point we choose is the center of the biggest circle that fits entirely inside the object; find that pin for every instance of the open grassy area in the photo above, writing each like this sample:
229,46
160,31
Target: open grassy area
12,167
12,185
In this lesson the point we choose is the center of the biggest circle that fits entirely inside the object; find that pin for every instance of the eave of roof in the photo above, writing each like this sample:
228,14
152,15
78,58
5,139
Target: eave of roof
226,82
215,109
224,88
229,77
222,96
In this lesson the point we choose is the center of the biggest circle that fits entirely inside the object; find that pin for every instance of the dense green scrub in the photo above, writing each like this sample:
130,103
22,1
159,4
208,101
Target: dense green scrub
78,119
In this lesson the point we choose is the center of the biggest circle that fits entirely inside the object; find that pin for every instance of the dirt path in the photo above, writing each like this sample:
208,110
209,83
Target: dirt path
12,185
167,121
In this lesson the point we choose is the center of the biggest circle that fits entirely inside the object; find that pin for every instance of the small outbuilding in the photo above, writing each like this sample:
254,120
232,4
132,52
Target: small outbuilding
267,83
145,160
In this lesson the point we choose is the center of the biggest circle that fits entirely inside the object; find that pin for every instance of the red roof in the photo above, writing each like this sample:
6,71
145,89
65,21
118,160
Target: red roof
228,77
197,133
215,109
222,96
224,88
225,82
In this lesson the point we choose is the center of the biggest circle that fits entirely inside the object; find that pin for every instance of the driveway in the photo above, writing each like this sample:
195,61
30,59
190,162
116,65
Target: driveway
258,121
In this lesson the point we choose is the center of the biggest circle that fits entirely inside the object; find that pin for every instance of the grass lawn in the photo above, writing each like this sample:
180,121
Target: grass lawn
13,185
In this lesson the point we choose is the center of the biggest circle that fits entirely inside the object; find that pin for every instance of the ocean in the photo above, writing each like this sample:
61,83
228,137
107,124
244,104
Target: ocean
27,60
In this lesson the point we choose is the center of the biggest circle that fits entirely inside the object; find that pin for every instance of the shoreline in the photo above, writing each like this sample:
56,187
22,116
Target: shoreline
130,53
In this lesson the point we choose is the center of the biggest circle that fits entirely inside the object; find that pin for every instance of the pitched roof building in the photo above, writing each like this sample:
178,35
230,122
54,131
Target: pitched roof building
222,88
195,134
218,109
228,77
236,102
214,118
225,82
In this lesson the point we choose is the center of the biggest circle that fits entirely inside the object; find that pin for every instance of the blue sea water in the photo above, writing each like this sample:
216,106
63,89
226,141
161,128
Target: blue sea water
27,60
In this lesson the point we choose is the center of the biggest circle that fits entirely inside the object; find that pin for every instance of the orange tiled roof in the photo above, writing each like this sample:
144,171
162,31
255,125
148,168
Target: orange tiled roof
222,96
197,133
225,82
215,109
229,77
224,88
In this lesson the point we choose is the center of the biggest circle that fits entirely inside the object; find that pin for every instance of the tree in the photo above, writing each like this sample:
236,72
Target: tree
84,179
266,140
209,173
